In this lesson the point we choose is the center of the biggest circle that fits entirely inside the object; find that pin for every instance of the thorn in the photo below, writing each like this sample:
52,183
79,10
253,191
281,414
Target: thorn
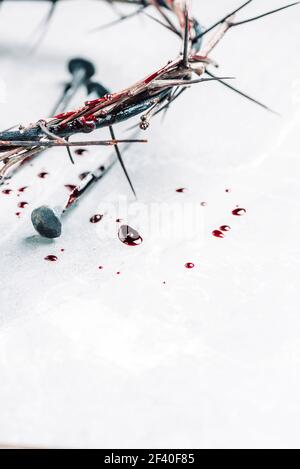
241,93
186,41
162,24
112,133
44,25
199,36
69,152
266,14
119,20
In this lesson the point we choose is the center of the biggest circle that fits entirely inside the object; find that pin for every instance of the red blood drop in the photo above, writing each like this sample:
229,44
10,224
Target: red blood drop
228,190
83,175
239,212
80,151
218,234
181,190
100,267
7,191
129,236
18,214
225,228
70,187
118,220
51,258
22,189
118,273
22,204
189,265
96,218
43,175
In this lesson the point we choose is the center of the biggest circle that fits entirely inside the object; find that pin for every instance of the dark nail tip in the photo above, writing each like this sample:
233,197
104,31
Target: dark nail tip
46,222
79,62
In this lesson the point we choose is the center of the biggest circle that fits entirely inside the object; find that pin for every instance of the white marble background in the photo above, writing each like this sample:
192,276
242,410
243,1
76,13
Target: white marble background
210,359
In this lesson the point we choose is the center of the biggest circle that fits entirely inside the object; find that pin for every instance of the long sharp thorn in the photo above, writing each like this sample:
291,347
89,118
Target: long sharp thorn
167,19
69,152
45,25
117,21
241,93
186,42
221,21
161,23
112,133
266,14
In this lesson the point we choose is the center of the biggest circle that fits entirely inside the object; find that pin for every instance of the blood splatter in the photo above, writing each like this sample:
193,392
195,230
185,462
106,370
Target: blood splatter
22,204
218,234
51,258
70,187
7,191
96,218
225,228
80,151
83,175
181,190
22,189
189,265
239,212
129,236
43,175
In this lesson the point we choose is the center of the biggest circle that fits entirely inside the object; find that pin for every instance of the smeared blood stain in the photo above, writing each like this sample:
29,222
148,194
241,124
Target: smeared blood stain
73,197
83,175
96,218
129,236
80,151
181,190
7,191
225,228
43,175
22,189
189,265
70,187
51,258
26,160
239,212
218,234
22,204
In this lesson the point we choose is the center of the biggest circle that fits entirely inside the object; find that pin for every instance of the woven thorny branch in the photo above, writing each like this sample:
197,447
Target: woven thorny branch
147,97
